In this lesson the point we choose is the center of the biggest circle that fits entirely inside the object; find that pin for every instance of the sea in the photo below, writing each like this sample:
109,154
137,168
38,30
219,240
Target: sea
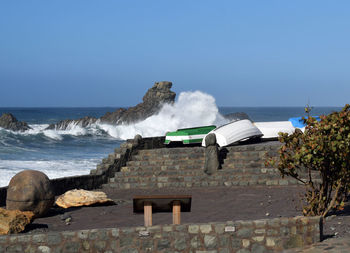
77,150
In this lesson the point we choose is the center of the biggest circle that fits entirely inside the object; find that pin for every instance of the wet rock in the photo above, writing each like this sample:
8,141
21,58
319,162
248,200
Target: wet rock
153,100
30,190
68,123
236,116
14,221
155,97
8,121
76,198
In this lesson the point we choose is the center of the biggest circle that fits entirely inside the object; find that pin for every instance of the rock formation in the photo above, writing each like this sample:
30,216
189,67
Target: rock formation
30,190
14,221
155,97
76,198
237,116
8,121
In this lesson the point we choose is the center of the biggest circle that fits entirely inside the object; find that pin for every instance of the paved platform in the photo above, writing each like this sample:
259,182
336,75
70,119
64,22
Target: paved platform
331,245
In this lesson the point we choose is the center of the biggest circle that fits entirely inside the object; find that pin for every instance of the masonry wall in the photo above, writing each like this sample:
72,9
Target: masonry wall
243,236
103,172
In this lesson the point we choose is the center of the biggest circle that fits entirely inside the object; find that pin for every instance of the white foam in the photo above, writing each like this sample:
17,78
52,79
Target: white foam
190,110
53,169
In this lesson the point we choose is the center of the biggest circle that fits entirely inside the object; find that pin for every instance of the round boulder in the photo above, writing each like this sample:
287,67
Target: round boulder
30,190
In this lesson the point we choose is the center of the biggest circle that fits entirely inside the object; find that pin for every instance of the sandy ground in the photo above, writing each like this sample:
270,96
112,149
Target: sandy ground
208,205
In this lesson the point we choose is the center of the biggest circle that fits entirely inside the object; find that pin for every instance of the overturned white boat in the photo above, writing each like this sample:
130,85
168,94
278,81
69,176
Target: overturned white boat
270,130
234,131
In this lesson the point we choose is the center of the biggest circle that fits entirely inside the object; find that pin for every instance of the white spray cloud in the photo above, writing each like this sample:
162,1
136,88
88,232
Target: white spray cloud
192,109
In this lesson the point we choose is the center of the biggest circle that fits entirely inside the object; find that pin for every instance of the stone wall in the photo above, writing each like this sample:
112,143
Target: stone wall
241,236
103,171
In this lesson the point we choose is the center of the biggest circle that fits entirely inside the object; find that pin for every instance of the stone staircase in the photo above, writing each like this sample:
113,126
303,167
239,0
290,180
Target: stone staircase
184,167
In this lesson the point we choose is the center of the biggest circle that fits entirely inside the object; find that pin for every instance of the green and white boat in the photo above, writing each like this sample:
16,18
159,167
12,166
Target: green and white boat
188,135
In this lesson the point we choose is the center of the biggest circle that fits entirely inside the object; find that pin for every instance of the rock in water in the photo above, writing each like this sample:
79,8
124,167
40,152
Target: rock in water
30,190
155,97
237,116
14,221
76,197
8,121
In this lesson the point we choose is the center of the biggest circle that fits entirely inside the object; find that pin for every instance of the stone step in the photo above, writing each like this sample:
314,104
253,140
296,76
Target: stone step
204,183
165,162
189,169
185,156
162,151
222,176
193,178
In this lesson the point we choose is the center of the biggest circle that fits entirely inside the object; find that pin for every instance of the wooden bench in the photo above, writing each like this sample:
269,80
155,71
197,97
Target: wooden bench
162,203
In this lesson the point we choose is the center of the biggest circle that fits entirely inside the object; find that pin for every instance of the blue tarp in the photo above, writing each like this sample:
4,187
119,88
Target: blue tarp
298,122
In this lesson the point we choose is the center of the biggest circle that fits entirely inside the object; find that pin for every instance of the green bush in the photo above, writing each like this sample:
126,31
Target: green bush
323,147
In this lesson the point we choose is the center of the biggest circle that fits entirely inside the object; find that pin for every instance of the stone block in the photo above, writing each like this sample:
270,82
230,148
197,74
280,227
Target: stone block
54,238
245,232
193,229
163,244
210,241
180,243
205,229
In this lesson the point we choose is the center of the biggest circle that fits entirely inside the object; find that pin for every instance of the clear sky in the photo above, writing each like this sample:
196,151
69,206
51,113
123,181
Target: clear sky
108,53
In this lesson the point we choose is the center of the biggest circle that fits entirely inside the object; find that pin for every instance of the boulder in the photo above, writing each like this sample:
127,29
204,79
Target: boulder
237,116
212,163
8,121
74,198
14,221
30,190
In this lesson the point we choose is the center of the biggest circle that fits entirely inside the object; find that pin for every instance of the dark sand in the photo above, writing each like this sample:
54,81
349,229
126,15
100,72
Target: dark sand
208,205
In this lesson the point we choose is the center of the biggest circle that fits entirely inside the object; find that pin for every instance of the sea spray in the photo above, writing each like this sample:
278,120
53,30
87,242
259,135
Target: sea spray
192,109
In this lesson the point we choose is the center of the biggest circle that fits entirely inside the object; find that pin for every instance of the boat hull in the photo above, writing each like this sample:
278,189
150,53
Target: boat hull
234,132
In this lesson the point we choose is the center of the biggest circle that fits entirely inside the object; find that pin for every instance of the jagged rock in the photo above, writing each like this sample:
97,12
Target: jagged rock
8,121
76,197
212,163
14,221
237,116
30,190
155,97
65,124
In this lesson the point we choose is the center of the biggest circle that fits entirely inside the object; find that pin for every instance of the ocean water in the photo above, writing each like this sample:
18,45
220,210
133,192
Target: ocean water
76,150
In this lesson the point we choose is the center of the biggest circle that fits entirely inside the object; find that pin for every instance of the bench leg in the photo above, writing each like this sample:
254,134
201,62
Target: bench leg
147,207
176,212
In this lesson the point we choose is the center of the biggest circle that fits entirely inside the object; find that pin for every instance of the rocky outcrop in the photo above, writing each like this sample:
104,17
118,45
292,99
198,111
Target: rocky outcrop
67,123
237,116
8,121
75,198
14,221
155,97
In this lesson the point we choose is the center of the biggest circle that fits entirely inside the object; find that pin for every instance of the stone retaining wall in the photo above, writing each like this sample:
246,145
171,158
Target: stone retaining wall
103,172
241,236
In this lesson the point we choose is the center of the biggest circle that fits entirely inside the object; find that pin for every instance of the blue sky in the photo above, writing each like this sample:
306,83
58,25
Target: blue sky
108,53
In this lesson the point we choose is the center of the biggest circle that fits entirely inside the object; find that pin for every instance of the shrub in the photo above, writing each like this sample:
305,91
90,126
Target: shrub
324,149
